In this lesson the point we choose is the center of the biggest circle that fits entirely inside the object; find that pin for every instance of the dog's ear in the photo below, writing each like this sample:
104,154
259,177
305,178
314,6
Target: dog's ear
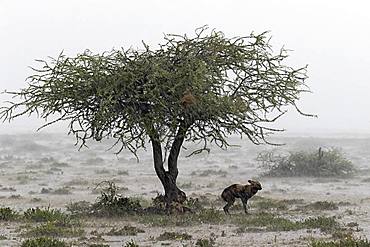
250,181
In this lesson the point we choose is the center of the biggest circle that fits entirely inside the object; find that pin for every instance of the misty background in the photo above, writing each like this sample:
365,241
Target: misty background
332,37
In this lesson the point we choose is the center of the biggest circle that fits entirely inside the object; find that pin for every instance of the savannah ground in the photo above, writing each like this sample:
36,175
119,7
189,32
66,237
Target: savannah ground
47,171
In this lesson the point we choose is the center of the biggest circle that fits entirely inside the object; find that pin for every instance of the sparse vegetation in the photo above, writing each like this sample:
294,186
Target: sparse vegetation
102,171
131,244
325,224
77,182
110,203
187,185
45,215
24,179
7,189
62,191
330,163
79,208
194,204
125,231
205,242
268,204
321,205
46,190
15,197
7,214
59,164
270,222
173,236
123,173
271,212
56,224
44,242
209,172
346,242
54,229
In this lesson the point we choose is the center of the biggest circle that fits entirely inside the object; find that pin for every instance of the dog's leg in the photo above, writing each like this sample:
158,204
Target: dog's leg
244,201
228,205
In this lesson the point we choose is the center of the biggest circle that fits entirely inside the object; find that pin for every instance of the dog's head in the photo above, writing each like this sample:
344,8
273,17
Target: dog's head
255,185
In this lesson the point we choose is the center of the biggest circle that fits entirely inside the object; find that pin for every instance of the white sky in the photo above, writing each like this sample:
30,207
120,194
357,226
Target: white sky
332,37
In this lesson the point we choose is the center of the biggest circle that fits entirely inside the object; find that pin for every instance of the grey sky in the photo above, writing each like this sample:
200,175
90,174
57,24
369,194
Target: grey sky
332,37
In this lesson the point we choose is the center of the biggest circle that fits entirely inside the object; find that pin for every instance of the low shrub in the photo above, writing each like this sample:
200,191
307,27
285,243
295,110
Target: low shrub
110,203
330,163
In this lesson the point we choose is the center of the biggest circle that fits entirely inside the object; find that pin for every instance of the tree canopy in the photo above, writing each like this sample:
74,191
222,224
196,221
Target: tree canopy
213,85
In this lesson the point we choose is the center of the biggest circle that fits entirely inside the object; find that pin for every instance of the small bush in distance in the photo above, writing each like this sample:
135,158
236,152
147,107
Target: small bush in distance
330,163
43,242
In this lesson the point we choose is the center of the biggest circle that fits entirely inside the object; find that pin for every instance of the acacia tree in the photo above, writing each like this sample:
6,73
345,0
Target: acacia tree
196,89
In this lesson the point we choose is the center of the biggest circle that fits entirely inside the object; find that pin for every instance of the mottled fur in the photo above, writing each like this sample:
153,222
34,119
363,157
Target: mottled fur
244,192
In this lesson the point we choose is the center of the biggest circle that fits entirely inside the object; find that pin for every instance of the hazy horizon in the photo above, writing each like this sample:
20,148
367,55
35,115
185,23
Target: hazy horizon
332,37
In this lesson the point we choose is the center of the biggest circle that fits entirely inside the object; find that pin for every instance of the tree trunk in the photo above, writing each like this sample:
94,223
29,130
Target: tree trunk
168,178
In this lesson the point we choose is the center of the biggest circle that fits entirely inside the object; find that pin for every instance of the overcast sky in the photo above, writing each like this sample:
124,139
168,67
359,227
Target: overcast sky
332,37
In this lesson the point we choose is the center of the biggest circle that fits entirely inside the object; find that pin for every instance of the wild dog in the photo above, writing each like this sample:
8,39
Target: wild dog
244,192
